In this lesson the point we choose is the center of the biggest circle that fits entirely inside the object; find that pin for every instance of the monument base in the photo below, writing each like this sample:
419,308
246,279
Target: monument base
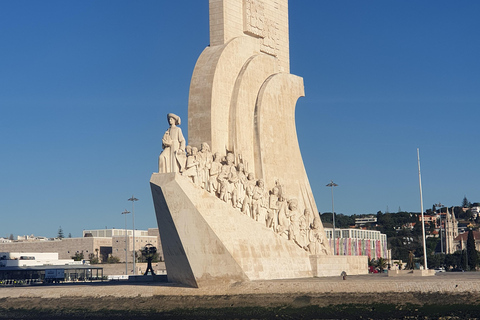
206,240
331,266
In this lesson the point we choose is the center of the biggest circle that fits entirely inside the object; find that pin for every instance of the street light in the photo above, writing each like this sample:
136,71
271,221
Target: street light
133,199
439,205
331,185
126,243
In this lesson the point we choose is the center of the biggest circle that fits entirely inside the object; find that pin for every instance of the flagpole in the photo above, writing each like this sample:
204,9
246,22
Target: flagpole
421,205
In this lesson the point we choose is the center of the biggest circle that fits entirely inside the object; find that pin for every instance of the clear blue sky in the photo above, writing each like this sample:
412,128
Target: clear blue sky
85,87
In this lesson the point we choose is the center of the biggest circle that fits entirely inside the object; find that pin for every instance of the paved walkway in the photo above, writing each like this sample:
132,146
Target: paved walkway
372,283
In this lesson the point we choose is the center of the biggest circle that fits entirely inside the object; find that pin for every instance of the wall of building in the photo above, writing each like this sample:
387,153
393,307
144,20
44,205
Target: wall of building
118,246
358,242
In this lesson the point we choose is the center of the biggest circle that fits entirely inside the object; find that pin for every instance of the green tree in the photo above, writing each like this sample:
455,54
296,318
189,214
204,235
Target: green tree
113,259
451,261
381,264
60,233
10,237
436,260
417,229
93,259
78,256
465,202
326,217
471,251
432,243
463,259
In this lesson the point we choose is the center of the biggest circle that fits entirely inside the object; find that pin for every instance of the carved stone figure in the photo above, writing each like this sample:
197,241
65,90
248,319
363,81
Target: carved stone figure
304,225
316,245
232,179
205,159
191,165
283,216
294,228
272,211
257,199
222,182
213,173
240,185
172,158
247,201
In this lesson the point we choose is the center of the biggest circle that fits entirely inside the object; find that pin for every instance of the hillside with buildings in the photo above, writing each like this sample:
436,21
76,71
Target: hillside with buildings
446,230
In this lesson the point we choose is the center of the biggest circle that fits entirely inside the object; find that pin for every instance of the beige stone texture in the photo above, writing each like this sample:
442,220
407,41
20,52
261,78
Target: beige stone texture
205,240
332,266
242,100
230,19
118,245
193,251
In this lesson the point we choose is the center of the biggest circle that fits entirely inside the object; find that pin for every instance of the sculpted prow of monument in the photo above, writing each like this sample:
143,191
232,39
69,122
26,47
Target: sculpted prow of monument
240,208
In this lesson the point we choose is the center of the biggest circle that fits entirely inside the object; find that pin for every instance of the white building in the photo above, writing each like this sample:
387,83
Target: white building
358,242
103,233
475,212
31,259
363,221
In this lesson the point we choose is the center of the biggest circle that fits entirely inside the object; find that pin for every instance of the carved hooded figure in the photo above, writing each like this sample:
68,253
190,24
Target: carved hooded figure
172,158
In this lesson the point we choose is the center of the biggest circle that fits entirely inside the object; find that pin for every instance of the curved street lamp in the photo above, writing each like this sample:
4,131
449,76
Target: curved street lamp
126,243
331,185
133,199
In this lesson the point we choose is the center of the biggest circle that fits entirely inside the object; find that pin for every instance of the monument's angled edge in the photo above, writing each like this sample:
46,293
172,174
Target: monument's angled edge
234,202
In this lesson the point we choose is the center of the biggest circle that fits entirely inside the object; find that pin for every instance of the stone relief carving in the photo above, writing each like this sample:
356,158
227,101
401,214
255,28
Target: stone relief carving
229,181
172,158
226,177
270,40
191,166
254,17
258,25
316,245
205,160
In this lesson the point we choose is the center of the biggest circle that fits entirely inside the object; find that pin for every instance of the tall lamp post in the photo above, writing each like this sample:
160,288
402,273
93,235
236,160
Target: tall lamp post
439,205
331,185
133,199
126,241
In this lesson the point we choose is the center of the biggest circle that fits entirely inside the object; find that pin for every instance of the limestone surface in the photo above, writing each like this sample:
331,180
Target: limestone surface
242,207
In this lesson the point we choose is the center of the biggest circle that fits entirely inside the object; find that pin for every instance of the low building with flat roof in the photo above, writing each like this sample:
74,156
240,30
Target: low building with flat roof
99,244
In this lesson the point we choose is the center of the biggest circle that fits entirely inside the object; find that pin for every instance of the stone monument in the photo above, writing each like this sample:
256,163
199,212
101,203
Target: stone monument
241,207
